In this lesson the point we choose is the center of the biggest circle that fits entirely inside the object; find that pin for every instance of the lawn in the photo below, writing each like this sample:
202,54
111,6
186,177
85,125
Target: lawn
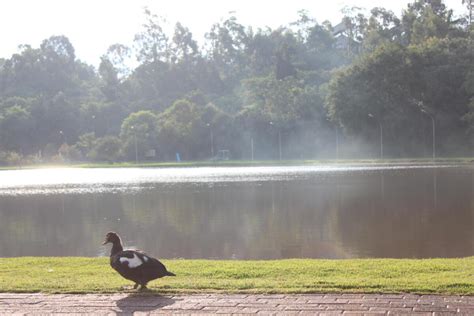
94,275
250,163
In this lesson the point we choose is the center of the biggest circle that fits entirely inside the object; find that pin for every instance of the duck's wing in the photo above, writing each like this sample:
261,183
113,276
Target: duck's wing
135,250
153,266
127,259
135,265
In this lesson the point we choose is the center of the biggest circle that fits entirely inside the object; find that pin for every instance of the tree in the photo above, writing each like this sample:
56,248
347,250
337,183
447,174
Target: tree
58,49
119,56
139,133
86,144
319,51
109,76
179,128
303,25
16,125
393,82
375,93
184,47
424,19
106,148
178,99
470,7
384,27
227,45
279,109
284,68
58,63
355,26
152,44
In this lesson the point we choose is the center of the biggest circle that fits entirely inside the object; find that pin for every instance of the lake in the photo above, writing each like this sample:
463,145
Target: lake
329,211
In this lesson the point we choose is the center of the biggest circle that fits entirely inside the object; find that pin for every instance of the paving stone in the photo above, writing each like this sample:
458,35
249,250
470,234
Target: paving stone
347,307
284,304
349,313
278,300
362,301
313,307
325,301
393,309
260,306
353,295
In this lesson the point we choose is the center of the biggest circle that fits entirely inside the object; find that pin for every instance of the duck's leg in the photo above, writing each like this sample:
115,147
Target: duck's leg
143,287
136,286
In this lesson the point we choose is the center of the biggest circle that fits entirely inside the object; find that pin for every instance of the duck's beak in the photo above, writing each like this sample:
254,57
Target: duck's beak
106,241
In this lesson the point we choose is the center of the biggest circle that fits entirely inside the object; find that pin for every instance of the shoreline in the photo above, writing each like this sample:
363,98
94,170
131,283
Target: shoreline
467,161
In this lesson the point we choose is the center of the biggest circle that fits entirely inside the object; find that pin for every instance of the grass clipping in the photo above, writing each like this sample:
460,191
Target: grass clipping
94,275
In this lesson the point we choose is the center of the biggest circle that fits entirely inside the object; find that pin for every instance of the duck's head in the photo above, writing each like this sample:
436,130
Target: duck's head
112,237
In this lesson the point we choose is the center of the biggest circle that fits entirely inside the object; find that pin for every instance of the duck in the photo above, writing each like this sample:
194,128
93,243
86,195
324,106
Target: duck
134,265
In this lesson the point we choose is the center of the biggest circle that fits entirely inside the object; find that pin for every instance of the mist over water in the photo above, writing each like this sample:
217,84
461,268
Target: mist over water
241,213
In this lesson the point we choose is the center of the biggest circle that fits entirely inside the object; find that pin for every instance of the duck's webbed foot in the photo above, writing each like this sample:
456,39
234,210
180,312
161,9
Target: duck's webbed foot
143,288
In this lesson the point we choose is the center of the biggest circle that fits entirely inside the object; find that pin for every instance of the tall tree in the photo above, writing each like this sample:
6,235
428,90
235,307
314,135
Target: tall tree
183,47
152,44
139,134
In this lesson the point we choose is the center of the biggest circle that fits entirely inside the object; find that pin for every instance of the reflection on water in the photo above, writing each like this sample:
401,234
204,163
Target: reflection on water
243,213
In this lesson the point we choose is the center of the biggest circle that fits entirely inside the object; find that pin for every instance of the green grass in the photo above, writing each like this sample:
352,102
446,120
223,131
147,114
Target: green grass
243,163
94,275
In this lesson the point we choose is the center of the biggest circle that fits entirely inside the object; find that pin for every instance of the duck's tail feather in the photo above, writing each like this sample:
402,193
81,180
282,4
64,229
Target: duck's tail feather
170,273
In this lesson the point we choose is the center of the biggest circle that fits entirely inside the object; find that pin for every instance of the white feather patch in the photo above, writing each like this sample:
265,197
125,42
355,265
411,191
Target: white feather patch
132,262
145,258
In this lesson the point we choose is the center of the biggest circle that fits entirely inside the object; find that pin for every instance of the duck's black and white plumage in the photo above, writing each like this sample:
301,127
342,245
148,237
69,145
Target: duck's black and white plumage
134,265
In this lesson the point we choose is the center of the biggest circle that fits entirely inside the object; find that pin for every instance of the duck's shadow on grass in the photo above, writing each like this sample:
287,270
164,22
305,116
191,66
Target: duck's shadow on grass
142,302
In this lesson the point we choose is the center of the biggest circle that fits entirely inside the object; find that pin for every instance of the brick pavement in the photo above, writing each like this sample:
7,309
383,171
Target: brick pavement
281,304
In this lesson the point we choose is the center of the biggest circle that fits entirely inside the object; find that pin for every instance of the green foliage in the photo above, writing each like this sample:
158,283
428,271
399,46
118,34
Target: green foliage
178,125
395,83
16,124
182,94
152,43
139,133
10,158
106,148
85,144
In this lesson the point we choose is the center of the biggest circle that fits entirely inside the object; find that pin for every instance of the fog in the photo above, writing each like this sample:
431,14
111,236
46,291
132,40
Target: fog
377,85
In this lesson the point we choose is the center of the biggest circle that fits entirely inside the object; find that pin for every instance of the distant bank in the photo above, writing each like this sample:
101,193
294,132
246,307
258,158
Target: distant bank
248,163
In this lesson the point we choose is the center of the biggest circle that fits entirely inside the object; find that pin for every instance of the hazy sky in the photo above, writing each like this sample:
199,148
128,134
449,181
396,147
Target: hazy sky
93,25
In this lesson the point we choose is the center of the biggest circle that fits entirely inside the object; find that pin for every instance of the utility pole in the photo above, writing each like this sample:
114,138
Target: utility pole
135,141
433,126
279,142
251,145
381,133
212,139
433,129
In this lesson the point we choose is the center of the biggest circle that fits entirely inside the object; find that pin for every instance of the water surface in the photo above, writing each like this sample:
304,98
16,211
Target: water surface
241,212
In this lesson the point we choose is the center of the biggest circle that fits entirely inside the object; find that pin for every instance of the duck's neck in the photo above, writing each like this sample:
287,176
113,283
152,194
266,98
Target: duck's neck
116,248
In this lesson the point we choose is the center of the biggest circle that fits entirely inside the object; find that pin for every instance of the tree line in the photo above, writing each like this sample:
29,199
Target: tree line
306,90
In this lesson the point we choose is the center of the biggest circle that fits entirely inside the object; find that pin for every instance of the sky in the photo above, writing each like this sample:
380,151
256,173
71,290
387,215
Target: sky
93,25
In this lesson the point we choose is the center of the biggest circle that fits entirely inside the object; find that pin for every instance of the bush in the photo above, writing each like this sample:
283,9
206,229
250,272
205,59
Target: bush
107,148
10,158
